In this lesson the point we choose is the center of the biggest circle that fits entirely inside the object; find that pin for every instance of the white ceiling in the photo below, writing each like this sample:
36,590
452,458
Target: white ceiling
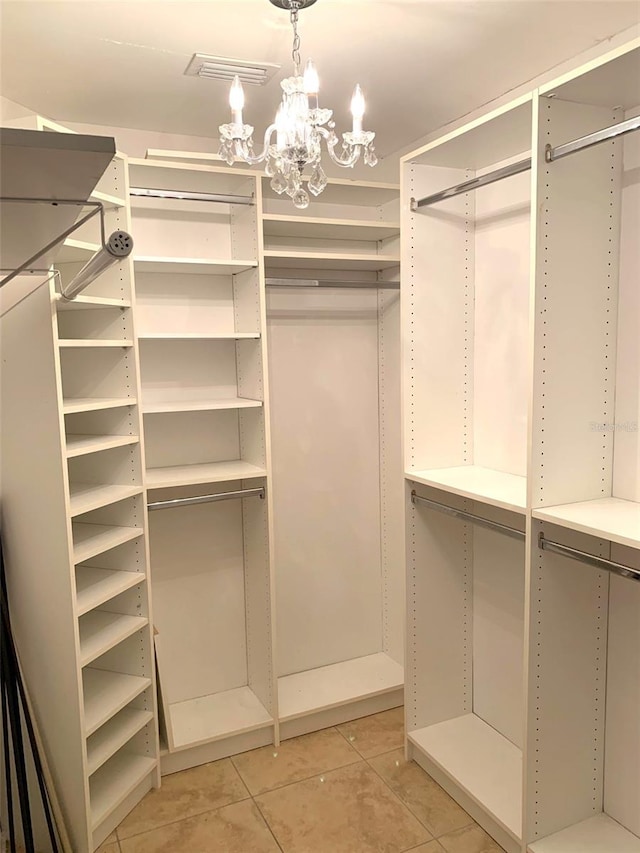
422,63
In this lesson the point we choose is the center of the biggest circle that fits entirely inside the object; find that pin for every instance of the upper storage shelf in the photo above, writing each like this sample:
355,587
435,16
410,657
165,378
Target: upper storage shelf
56,166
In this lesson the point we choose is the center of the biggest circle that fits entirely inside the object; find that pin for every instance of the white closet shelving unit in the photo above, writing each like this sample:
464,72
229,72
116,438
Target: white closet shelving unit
521,379
74,514
334,365
201,332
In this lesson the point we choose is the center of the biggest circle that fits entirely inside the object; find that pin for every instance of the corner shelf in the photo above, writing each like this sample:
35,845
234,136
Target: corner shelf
101,630
89,540
114,781
114,735
199,266
330,260
212,472
594,835
609,518
200,405
508,491
81,445
106,693
277,225
95,586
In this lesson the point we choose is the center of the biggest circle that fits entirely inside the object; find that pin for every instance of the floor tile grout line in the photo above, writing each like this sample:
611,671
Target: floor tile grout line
315,775
268,825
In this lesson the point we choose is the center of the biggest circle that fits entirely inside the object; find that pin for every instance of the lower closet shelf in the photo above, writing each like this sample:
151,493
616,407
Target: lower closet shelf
209,718
595,835
337,684
114,781
101,630
114,735
212,472
481,762
106,693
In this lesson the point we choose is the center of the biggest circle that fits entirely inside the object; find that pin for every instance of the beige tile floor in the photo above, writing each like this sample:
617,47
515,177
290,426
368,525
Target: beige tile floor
342,790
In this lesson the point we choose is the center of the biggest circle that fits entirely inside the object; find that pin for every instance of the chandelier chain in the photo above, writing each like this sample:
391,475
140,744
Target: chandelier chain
295,52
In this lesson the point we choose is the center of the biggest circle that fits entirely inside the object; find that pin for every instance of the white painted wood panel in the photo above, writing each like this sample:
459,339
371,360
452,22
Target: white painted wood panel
508,491
594,835
209,718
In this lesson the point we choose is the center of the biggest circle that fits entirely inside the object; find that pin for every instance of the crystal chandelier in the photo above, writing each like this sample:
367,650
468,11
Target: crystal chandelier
300,126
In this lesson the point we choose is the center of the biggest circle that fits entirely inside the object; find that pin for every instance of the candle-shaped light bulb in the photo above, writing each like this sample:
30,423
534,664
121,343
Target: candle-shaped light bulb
236,100
311,80
357,109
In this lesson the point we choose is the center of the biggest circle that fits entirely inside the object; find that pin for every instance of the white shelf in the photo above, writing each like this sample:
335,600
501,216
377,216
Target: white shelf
95,586
80,445
200,405
599,834
329,260
101,631
608,518
76,251
485,485
199,266
276,225
114,781
345,191
108,199
219,715
197,336
89,540
338,684
72,405
92,343
88,496
90,303
213,472
113,735
106,693
481,762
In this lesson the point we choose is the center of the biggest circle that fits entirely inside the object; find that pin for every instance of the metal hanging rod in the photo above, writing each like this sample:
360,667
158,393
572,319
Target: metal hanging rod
513,532
589,559
591,139
179,195
314,282
473,184
205,499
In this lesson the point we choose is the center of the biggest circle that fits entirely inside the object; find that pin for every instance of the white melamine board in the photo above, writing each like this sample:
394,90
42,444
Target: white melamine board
183,439
609,518
330,686
92,344
329,260
92,404
597,834
316,227
208,718
100,372
496,488
622,733
193,266
326,475
37,542
94,586
205,336
76,251
85,497
248,297
245,239
207,405
567,683
212,472
485,765
439,617
115,734
182,176
104,326
89,540
576,308
101,631
106,693
614,80
80,445
626,441
501,319
437,280
498,632
90,303
345,191
197,577
192,229
114,781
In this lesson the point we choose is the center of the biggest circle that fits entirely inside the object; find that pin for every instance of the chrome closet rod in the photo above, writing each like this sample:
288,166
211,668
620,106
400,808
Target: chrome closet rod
179,195
589,559
513,532
473,184
205,499
595,138
315,282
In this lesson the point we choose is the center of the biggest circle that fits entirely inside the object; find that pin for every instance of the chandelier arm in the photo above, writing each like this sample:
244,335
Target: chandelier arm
348,160
253,159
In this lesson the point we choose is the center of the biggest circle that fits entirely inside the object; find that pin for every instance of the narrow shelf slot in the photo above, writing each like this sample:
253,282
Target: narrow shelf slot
200,405
101,631
330,260
71,405
93,343
114,781
106,693
198,266
209,718
81,445
95,586
89,540
329,686
595,835
481,762
88,496
114,735
508,491
213,472
609,518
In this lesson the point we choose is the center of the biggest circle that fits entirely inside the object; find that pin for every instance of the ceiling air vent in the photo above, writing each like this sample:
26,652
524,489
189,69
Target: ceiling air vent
222,68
